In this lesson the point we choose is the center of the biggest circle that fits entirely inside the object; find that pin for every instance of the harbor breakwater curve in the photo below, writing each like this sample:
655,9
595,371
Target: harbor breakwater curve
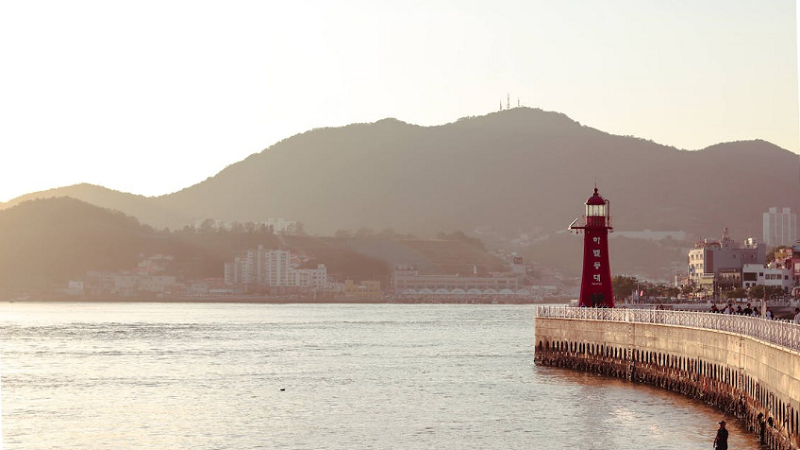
745,366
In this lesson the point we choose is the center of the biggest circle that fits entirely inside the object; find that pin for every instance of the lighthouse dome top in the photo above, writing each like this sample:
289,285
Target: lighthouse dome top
595,199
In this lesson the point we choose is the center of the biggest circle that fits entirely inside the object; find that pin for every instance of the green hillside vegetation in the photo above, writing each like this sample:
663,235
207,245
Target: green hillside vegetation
44,243
517,169
340,261
374,258
202,253
520,170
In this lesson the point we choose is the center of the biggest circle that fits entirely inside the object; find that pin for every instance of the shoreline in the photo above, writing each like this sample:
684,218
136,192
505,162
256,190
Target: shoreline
281,300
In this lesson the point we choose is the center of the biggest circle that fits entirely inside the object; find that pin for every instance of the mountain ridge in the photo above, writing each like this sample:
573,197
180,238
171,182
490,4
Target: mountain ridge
514,170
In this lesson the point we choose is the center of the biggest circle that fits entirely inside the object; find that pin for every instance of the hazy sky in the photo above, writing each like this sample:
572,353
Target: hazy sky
153,96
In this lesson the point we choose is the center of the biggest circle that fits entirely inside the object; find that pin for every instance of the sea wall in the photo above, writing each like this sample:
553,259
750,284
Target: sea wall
740,374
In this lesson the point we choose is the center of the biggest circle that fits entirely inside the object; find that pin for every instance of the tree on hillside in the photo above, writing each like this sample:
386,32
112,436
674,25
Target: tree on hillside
460,236
237,227
364,232
387,233
208,226
623,286
343,234
300,229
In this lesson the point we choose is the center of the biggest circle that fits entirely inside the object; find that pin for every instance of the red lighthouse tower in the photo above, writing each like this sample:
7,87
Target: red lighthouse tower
596,277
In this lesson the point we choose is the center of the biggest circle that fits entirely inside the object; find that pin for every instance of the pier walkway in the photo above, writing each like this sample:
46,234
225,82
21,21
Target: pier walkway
743,365
779,332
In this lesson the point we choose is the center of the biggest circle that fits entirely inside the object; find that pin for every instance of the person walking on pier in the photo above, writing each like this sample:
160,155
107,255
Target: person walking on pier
797,315
721,441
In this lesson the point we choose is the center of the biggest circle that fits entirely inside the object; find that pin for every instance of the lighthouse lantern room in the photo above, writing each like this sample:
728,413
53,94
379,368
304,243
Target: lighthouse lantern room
596,275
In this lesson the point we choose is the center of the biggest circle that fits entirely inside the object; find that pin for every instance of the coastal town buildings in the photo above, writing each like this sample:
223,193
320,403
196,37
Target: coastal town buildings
365,289
717,265
259,266
125,284
407,279
310,278
272,268
759,275
780,227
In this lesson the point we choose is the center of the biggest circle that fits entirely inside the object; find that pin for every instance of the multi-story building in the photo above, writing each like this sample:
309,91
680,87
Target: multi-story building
316,279
272,268
260,267
719,263
275,268
780,228
758,275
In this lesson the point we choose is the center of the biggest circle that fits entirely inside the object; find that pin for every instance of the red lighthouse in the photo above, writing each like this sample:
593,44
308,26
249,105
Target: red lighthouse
596,277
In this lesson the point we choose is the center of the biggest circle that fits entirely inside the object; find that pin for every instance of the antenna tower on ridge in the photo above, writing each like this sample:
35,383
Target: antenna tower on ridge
508,101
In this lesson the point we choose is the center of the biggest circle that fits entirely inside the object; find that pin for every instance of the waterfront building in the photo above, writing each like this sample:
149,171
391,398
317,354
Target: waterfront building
368,288
718,264
315,279
406,278
272,268
259,267
780,228
74,287
758,275
127,284
154,264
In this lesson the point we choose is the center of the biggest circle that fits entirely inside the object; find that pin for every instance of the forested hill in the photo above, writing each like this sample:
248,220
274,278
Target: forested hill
517,170
47,242
44,243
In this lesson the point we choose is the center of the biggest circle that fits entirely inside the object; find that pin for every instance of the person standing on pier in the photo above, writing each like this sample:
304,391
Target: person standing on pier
797,315
721,441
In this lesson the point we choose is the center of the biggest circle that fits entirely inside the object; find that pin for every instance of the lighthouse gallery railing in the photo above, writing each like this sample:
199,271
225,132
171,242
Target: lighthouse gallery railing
782,333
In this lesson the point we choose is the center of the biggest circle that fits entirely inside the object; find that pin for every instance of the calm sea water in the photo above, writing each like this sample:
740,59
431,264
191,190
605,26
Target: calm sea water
210,376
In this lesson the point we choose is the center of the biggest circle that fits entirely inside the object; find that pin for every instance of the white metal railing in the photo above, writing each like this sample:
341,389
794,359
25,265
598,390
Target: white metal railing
782,333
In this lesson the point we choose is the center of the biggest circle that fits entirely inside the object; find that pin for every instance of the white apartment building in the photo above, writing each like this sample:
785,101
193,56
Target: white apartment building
262,267
758,275
259,267
780,228
311,278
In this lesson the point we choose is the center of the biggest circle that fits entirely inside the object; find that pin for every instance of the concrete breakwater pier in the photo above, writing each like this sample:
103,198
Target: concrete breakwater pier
745,366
